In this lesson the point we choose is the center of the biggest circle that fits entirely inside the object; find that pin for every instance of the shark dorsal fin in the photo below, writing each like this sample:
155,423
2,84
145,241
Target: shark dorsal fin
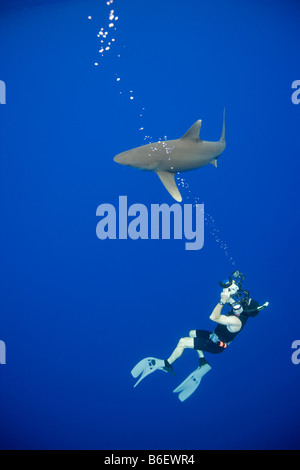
193,132
168,180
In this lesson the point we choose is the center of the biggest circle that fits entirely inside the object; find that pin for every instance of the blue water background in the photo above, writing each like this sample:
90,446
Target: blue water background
77,313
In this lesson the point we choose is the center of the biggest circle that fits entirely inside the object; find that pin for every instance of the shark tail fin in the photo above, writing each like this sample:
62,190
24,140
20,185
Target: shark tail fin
223,130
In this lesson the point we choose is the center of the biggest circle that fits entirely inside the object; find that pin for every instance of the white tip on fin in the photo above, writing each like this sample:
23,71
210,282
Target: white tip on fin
193,132
168,180
214,163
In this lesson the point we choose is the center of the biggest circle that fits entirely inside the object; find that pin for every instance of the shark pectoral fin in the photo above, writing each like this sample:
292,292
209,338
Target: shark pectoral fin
214,163
168,180
193,132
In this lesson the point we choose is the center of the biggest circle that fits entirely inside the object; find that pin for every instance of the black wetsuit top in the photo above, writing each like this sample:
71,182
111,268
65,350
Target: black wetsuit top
203,342
225,335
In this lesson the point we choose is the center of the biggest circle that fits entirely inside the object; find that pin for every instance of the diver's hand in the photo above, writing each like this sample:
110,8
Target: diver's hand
225,296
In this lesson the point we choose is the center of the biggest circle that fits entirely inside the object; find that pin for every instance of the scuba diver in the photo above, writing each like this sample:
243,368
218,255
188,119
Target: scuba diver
228,327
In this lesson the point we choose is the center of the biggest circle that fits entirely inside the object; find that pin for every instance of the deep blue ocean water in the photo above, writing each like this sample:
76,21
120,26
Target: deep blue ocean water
77,313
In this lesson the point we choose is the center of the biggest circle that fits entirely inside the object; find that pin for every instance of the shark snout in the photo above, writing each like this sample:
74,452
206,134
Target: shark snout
117,158
122,158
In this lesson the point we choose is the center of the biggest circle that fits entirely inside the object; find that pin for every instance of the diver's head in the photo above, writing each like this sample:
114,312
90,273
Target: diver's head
237,309
247,307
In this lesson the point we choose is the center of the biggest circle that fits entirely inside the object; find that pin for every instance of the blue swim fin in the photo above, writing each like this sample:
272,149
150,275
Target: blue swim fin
147,366
191,383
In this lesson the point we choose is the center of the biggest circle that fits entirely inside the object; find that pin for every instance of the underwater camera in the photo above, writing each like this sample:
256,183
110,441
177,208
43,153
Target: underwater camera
233,284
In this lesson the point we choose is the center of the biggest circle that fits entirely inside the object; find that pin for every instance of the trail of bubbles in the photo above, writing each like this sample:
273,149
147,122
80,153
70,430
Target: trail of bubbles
208,218
104,34
107,35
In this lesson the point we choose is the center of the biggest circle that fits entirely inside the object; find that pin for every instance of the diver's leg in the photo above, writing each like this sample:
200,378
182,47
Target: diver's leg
202,360
199,343
193,334
200,353
181,346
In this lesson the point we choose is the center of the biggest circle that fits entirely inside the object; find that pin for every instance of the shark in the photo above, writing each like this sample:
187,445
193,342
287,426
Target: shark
166,158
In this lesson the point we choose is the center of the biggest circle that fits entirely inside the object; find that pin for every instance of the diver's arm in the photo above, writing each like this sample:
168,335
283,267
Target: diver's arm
216,313
223,319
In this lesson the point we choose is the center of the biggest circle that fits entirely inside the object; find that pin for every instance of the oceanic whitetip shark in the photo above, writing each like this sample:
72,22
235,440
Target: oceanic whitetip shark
171,156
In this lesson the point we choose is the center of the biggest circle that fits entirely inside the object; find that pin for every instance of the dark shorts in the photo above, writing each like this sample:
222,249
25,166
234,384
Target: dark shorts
203,343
